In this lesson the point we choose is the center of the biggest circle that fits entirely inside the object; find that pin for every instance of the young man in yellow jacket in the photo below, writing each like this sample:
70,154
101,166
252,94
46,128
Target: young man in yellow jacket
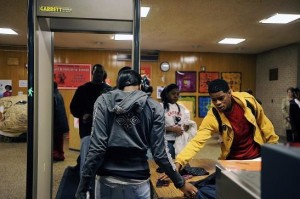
244,126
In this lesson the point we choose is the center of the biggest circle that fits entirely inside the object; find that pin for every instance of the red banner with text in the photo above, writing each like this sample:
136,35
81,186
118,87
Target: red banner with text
70,76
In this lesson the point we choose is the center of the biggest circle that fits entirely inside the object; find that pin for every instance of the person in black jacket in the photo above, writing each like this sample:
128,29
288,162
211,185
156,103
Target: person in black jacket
126,123
295,115
82,105
60,125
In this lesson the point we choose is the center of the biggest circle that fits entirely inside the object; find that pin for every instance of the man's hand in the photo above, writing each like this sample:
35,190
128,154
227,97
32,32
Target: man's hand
189,190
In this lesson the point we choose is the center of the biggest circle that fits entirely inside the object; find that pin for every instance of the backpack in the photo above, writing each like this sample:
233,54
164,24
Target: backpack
216,114
206,187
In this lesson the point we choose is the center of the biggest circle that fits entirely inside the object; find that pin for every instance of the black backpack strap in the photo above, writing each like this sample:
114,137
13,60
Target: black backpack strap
249,105
215,112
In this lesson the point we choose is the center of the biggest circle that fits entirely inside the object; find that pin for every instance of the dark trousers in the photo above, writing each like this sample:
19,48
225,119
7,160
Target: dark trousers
292,136
58,146
289,136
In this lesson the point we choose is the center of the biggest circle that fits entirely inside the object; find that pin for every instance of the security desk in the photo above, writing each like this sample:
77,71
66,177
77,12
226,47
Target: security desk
170,192
236,179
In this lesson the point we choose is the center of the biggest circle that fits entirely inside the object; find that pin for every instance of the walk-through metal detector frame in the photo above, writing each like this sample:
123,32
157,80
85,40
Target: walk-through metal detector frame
44,18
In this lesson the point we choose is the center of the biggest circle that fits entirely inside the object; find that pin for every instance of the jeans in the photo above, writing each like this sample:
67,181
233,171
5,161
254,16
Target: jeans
171,148
120,191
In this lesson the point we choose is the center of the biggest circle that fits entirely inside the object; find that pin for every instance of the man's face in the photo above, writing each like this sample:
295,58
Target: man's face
221,100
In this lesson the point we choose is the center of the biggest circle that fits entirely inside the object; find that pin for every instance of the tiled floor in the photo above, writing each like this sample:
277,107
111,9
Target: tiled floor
13,169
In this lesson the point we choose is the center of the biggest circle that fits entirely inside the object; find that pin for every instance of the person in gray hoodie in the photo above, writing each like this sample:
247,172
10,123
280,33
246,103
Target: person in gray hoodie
126,122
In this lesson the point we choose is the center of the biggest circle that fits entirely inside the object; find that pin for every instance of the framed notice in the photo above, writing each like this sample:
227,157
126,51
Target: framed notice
70,76
234,80
205,78
159,89
188,102
186,81
204,104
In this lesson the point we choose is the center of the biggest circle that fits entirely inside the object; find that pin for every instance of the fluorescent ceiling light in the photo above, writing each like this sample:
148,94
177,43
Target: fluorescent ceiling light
144,11
123,37
7,31
231,41
281,18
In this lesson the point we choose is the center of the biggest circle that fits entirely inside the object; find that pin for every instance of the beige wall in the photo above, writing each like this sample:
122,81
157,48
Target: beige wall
271,93
12,67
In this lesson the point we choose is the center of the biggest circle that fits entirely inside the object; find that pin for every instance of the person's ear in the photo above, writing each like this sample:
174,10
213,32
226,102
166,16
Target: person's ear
229,92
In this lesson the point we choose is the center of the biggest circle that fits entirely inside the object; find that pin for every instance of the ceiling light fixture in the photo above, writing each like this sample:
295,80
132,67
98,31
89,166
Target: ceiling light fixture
281,18
231,41
144,11
120,37
7,31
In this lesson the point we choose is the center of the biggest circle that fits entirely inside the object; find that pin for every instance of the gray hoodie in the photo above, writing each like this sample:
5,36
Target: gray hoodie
125,125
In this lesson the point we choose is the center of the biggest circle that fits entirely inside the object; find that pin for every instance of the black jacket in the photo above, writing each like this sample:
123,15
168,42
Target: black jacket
83,103
60,124
295,118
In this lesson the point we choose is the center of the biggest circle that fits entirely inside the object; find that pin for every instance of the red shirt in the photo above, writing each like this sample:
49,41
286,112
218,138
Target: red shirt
6,94
243,146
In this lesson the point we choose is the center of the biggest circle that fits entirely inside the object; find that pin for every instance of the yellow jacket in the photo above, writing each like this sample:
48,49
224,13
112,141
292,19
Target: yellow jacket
264,130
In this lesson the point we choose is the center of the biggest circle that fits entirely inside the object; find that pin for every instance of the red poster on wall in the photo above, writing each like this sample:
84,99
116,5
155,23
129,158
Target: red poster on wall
146,70
70,76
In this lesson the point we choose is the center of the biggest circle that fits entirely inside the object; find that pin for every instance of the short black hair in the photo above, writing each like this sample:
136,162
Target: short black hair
218,85
97,65
128,78
8,87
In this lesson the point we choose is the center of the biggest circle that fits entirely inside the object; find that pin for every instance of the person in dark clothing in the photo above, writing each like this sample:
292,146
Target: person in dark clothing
126,123
295,115
60,125
82,107
84,98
